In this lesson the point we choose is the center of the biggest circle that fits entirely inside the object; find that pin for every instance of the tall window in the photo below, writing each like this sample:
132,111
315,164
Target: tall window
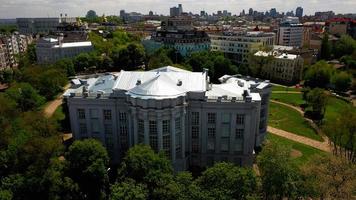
166,126
211,118
153,135
122,116
141,131
224,145
108,129
195,132
124,140
83,129
211,132
239,134
240,119
195,118
107,115
166,130
195,147
95,126
94,113
225,126
178,135
81,114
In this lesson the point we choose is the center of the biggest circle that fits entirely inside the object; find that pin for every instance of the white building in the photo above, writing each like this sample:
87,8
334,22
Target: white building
50,50
194,122
238,46
283,67
290,32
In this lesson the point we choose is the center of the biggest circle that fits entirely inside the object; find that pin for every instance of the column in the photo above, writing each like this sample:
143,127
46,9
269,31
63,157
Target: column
232,133
146,121
133,124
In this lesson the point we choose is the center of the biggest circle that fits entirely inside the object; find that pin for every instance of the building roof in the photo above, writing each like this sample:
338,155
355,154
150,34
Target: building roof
75,44
277,54
165,83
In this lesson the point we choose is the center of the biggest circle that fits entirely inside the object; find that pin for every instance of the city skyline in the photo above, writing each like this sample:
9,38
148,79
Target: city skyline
51,8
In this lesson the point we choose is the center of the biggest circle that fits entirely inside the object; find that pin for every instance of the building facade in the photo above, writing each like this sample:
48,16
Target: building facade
178,33
194,122
10,47
239,46
50,50
282,67
290,34
41,25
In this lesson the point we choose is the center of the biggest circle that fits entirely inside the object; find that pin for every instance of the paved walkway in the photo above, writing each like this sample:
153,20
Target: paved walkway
324,146
52,106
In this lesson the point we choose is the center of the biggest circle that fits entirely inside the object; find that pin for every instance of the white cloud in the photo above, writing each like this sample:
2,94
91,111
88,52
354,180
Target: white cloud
44,8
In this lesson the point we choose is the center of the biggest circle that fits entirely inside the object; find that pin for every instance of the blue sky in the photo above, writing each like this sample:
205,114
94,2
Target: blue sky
44,8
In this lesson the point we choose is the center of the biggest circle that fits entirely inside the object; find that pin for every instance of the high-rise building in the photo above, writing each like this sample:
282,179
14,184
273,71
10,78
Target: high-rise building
273,12
194,122
290,32
299,12
250,11
176,11
202,13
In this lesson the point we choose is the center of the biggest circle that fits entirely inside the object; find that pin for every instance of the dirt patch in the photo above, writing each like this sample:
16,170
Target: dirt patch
295,153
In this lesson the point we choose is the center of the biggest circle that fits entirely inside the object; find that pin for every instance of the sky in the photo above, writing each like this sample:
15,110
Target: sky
75,8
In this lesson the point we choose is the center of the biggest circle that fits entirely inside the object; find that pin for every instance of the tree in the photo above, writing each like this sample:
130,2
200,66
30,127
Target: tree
341,81
159,59
130,57
330,177
57,184
318,75
25,96
259,62
66,65
280,176
342,133
51,82
316,100
227,181
88,164
128,190
188,188
325,51
345,46
153,170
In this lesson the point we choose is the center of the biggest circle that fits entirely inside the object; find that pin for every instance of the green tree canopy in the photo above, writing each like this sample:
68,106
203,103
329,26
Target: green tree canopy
325,52
227,181
88,164
318,75
342,81
25,96
128,190
345,46
280,176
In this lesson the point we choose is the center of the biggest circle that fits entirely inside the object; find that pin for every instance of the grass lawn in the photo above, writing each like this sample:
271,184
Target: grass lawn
290,120
335,108
306,151
285,88
289,98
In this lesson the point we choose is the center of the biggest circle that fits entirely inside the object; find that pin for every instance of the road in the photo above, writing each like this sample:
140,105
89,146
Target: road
52,106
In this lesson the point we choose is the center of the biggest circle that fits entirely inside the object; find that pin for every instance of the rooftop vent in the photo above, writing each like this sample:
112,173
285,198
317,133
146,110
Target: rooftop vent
179,83
138,82
240,83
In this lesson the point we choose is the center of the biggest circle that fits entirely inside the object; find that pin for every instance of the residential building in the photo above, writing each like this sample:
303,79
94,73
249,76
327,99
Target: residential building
281,67
178,33
290,32
195,122
238,46
3,56
50,50
341,26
